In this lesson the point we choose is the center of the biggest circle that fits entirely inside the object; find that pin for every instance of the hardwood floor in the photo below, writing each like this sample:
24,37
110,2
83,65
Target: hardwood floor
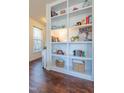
43,81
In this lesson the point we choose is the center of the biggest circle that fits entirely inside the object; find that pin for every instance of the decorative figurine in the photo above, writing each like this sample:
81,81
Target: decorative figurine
60,52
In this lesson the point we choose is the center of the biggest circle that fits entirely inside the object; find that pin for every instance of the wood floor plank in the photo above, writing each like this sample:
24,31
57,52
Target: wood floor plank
43,81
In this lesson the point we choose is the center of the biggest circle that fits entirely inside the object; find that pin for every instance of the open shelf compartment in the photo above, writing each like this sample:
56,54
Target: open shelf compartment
59,35
59,49
80,34
80,67
59,62
83,3
80,51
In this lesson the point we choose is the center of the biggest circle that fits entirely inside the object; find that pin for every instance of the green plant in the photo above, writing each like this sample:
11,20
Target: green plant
74,38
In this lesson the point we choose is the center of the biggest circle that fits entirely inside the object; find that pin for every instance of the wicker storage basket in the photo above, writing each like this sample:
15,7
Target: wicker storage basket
59,63
79,67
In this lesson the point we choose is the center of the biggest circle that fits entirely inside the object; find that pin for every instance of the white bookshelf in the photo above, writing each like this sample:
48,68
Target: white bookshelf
61,29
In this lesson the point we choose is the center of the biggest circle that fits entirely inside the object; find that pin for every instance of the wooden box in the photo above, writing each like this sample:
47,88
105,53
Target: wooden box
79,67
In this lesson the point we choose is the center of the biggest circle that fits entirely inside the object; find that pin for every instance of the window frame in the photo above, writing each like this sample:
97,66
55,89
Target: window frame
41,40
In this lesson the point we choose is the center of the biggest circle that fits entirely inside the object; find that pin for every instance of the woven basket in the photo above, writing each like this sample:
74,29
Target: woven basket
59,63
78,67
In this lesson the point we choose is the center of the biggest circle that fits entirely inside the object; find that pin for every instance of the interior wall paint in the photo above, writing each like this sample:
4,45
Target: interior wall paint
32,23
37,8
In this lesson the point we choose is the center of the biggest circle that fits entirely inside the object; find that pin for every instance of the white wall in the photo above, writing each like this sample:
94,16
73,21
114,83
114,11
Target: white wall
34,55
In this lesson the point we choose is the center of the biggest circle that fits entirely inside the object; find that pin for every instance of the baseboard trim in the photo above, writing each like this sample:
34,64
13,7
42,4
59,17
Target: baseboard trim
35,60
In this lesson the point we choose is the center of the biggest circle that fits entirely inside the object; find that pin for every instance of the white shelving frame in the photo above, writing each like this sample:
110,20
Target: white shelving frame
68,43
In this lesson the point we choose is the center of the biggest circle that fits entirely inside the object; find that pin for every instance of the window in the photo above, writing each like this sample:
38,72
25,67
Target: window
37,39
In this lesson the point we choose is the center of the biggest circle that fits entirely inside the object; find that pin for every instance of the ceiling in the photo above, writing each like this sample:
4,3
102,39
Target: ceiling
37,9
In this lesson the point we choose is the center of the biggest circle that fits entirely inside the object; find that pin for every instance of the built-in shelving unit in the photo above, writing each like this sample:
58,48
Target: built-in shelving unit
70,43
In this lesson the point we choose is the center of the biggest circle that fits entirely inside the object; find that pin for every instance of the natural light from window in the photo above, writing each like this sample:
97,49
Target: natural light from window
37,39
